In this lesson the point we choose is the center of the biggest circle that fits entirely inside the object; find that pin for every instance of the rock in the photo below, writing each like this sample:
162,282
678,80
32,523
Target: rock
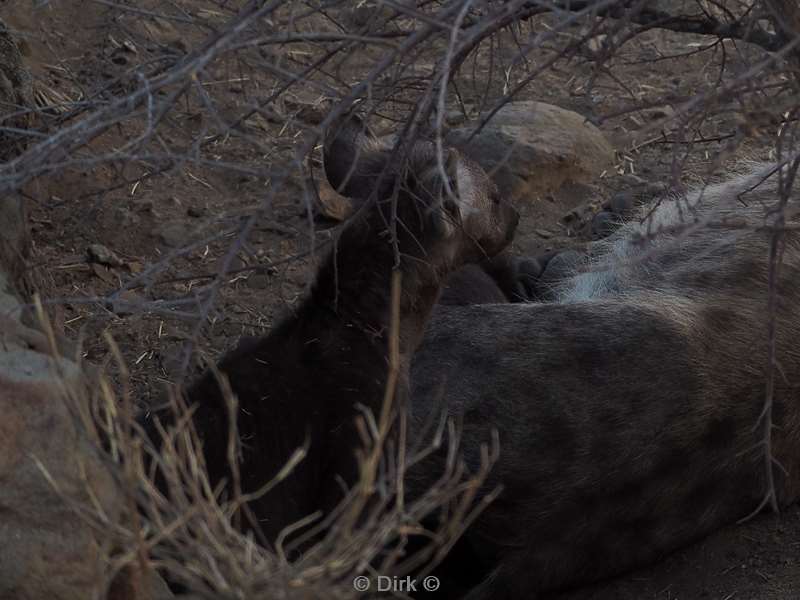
235,264
596,43
127,303
258,281
196,211
658,113
144,205
173,234
311,112
534,148
574,215
48,551
368,13
103,273
48,467
454,118
646,118
51,475
98,253
163,32
123,218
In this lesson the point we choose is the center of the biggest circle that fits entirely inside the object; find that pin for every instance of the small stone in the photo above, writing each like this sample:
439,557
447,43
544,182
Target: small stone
596,43
38,224
103,273
543,233
657,113
196,211
312,113
50,472
366,13
172,234
455,117
98,253
572,216
258,281
127,303
143,205
123,218
236,264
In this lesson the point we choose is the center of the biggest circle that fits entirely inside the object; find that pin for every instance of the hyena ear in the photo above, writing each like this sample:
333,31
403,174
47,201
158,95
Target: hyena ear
461,195
465,183
354,160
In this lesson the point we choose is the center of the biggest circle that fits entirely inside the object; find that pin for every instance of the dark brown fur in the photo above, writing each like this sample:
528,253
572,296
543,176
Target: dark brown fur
500,279
302,383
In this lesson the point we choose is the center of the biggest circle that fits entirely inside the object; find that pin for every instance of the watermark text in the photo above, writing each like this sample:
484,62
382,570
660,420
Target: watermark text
384,583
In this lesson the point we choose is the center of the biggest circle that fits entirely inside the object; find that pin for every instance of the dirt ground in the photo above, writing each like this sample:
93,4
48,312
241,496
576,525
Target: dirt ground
79,48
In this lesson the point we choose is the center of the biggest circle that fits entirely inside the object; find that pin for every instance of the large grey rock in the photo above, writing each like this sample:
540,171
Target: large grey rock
47,467
51,473
532,148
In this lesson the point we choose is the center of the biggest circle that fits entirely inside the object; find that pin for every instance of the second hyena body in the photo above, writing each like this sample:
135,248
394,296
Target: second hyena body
629,408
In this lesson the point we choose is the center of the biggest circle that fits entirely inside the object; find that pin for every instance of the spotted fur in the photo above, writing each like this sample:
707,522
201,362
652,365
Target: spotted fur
627,406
